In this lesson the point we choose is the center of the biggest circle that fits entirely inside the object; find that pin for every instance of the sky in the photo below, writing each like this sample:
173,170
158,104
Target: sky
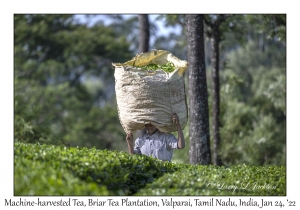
162,30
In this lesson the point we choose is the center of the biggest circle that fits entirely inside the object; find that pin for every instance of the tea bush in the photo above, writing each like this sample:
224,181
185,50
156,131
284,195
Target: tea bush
59,170
53,170
214,180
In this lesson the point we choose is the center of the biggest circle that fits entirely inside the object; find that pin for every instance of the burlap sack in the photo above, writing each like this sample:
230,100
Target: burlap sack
150,96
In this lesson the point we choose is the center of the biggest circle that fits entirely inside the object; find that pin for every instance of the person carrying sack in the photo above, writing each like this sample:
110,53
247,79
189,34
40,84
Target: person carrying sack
150,93
155,143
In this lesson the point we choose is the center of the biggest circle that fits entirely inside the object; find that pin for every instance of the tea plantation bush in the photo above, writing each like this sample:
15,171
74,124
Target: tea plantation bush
214,180
58,170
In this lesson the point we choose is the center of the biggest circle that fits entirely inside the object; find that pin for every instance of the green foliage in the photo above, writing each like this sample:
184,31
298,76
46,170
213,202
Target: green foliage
60,170
97,128
174,42
172,19
167,67
253,96
253,116
56,64
44,178
129,26
217,181
23,130
274,25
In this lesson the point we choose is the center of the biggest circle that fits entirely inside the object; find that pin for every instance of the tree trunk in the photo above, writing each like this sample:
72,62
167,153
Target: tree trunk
198,97
215,40
144,37
144,33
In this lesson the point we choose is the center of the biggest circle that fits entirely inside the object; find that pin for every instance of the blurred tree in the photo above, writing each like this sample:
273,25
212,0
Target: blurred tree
62,75
216,26
254,132
253,111
129,27
274,25
198,98
246,60
252,101
213,32
173,42
144,37
144,33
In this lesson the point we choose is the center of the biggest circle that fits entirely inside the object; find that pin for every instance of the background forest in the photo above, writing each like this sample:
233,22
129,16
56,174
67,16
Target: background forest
64,81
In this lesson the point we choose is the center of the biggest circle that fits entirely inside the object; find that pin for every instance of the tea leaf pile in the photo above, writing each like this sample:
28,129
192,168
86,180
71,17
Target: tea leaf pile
168,67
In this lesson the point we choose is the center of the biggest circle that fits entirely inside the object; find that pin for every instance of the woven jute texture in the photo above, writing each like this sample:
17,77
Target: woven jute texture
150,96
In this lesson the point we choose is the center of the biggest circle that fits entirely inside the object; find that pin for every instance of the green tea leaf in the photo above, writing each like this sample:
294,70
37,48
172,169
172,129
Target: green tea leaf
168,67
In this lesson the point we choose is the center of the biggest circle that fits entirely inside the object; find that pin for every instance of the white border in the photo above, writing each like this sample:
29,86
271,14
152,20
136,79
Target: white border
8,8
